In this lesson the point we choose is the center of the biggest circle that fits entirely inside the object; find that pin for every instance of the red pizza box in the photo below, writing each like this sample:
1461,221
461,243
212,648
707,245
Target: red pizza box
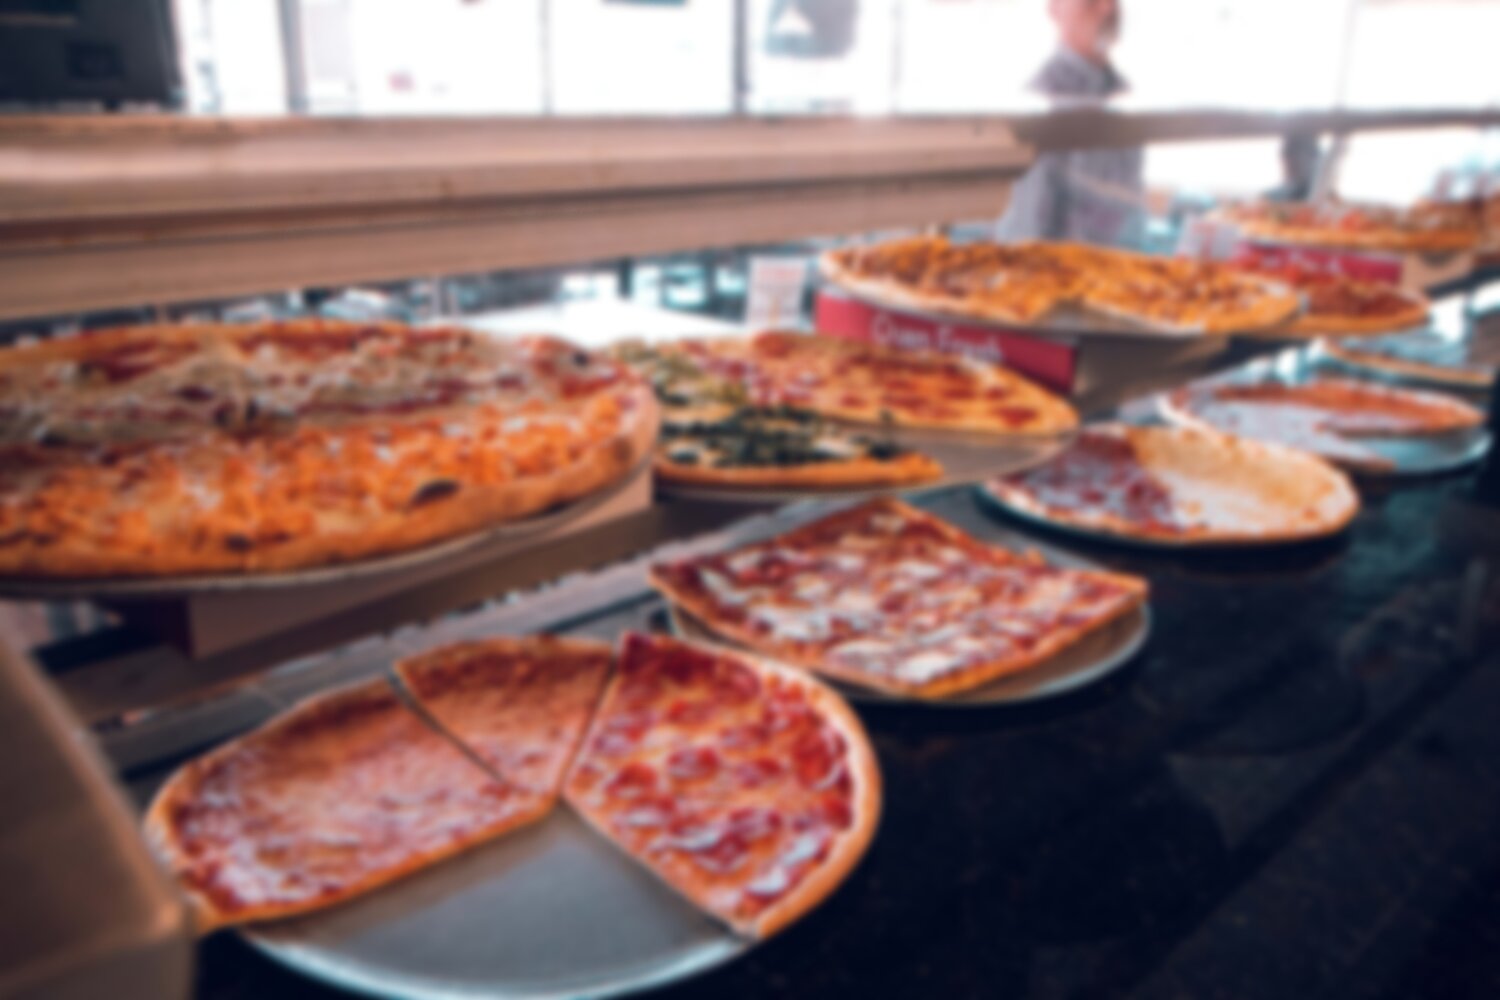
1411,271
1070,363
1215,239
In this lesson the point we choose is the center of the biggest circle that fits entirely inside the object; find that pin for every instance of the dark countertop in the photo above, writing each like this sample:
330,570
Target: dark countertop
1292,793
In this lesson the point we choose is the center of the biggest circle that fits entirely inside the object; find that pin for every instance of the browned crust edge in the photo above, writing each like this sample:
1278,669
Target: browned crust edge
909,468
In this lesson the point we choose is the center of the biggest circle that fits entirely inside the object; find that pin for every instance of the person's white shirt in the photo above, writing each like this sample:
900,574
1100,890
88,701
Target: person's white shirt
1088,196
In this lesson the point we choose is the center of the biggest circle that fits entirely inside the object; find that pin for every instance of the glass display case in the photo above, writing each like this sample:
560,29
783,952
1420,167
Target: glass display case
1273,778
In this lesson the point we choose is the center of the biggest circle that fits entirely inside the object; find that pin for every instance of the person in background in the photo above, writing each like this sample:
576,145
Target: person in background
1091,196
1301,159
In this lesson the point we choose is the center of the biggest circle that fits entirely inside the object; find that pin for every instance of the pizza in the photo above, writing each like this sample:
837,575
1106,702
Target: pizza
887,597
1182,486
712,436
1020,283
520,705
1028,283
1358,227
338,796
1190,296
196,449
746,786
749,787
1432,358
1326,416
868,383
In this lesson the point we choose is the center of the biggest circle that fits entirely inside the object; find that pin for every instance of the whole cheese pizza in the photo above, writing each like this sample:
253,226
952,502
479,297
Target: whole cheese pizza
1336,305
338,796
887,597
711,435
1326,416
181,450
748,787
867,383
1435,229
1182,486
1027,283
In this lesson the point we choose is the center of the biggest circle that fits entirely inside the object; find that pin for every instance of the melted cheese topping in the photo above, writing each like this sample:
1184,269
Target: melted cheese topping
897,597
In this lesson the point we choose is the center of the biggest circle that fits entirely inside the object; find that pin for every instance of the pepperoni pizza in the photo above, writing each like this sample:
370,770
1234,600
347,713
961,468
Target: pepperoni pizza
336,797
856,381
887,597
1424,229
748,787
1182,486
179,450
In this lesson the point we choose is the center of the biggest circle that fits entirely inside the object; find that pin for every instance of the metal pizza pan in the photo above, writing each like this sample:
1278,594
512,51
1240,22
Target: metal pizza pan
547,912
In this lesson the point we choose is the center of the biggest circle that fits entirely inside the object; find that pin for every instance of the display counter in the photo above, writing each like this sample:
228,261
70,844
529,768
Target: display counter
1288,792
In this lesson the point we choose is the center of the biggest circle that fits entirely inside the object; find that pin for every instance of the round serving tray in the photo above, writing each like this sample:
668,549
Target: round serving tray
550,911
158,588
967,458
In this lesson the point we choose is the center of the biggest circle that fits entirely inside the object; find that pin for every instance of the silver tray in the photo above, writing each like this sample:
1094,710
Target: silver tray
158,588
550,911
966,458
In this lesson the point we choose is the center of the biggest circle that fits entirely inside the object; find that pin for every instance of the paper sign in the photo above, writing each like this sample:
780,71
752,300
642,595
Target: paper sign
774,296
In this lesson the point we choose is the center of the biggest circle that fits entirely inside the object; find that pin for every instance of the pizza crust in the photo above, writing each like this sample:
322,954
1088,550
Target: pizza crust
909,468
1294,496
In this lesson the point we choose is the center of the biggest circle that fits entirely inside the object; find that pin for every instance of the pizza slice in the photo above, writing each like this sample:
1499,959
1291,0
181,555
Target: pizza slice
888,597
341,794
747,787
1182,485
868,383
1335,304
520,705
1189,296
1326,416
